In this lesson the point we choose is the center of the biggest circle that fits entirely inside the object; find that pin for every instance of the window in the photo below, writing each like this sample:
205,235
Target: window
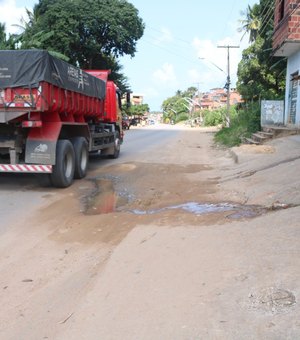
281,9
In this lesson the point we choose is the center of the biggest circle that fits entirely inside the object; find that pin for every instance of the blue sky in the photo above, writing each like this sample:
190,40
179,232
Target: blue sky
177,34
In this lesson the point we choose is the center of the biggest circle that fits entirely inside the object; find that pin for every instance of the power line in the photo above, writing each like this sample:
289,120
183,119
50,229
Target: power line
233,6
170,51
266,21
177,38
266,8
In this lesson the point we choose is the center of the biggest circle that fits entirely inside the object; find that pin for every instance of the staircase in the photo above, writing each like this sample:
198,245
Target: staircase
269,132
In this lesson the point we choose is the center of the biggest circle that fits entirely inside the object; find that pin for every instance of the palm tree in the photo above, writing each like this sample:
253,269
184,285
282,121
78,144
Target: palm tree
6,43
28,40
251,24
2,36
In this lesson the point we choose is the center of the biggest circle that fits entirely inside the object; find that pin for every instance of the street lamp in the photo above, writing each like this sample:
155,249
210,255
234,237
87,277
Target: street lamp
191,101
215,65
187,107
192,104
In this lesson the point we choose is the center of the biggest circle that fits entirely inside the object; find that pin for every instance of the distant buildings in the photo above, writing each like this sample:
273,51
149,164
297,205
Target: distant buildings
217,98
136,99
133,98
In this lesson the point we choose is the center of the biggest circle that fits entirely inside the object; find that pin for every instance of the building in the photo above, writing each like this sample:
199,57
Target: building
286,43
217,98
136,99
133,98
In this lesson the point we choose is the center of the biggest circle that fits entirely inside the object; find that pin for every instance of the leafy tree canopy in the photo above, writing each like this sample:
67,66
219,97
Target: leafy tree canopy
87,30
6,43
91,34
178,104
138,110
260,75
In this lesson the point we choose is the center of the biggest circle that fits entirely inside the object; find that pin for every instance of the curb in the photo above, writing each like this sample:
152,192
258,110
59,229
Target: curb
234,156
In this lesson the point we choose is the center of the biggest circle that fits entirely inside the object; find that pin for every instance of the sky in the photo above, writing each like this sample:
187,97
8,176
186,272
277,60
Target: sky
178,33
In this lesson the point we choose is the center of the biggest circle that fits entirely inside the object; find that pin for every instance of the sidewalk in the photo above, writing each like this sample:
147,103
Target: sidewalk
266,174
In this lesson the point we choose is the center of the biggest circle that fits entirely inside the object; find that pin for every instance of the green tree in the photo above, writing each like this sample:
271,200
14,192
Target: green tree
260,75
91,33
2,37
177,107
6,43
252,22
189,92
138,110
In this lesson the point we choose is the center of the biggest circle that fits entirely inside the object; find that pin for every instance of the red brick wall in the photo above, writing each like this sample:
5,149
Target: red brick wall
288,27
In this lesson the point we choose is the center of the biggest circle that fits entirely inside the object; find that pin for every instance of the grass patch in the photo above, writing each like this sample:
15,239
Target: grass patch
243,124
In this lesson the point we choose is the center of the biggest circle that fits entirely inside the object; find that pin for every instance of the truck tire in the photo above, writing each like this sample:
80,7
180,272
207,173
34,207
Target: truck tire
81,150
117,146
63,170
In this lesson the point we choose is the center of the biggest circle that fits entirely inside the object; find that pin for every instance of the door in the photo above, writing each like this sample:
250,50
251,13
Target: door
293,99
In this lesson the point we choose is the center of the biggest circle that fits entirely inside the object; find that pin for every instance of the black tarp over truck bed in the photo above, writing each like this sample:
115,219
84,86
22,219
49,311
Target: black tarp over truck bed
26,68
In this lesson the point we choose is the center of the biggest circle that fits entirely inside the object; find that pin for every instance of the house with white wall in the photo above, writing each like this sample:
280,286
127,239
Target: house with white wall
286,43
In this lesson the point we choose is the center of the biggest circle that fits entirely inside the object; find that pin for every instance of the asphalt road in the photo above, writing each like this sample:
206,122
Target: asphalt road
21,195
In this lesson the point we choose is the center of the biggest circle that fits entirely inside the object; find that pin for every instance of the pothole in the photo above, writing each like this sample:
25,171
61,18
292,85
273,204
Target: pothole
103,199
272,300
238,211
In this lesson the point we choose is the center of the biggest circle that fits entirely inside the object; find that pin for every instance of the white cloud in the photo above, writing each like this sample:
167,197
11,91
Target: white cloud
165,75
11,14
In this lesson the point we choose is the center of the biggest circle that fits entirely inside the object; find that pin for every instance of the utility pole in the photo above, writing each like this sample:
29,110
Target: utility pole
228,82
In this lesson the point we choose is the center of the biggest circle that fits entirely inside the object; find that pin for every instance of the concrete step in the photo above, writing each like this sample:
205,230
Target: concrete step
259,137
281,131
266,134
250,141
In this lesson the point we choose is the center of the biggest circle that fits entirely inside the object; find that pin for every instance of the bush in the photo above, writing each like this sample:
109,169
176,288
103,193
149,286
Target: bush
181,117
213,118
230,136
243,124
217,117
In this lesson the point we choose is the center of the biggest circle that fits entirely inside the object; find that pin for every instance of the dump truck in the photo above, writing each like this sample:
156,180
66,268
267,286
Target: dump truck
53,115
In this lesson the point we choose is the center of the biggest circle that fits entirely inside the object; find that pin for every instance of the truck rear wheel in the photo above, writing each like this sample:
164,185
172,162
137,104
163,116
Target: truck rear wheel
81,150
63,170
117,146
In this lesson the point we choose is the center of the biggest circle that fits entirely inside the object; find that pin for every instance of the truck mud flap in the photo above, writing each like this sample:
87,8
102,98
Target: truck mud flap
40,152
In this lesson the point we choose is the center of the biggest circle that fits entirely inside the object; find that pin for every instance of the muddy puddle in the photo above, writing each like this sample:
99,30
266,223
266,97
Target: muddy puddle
103,199
237,211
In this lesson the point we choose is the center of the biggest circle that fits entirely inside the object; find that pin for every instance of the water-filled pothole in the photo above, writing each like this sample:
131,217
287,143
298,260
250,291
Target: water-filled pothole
104,199
238,211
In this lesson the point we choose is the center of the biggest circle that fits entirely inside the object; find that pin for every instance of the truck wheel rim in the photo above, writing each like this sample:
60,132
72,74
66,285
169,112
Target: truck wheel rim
117,143
68,165
84,159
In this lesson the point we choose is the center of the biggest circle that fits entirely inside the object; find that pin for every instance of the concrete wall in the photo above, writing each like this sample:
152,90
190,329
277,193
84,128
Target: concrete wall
293,66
